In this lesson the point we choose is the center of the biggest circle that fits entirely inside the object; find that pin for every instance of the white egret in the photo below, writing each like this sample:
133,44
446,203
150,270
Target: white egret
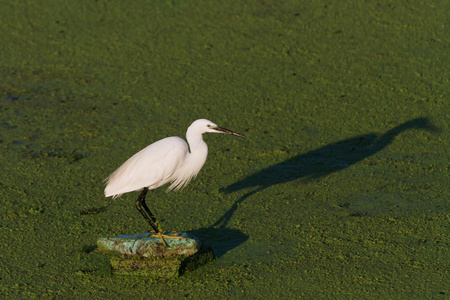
165,161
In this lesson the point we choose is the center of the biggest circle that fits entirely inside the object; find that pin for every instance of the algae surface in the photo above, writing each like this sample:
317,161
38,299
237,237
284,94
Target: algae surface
339,191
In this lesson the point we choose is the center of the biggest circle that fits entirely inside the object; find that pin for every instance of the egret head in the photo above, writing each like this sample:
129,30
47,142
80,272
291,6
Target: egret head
203,125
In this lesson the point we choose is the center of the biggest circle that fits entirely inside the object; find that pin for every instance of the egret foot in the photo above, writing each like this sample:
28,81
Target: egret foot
160,235
172,236
162,240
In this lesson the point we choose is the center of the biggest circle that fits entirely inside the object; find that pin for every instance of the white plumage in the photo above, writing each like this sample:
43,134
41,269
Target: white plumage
167,160
152,167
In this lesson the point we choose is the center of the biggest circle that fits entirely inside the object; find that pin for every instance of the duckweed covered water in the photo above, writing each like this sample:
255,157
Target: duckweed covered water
339,191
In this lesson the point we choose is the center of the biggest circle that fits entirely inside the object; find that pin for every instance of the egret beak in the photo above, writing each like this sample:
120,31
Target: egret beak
227,131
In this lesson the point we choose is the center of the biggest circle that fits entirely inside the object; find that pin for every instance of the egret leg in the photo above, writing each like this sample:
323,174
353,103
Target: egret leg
147,214
147,210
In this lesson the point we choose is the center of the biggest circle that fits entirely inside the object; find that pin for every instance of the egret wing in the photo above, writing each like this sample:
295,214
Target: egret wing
151,167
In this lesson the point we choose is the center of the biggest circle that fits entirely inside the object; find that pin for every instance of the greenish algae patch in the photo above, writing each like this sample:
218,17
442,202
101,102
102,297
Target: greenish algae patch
87,84
142,266
160,267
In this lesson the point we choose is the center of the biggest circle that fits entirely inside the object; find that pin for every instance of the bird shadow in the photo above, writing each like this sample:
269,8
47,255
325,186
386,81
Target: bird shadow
308,166
328,159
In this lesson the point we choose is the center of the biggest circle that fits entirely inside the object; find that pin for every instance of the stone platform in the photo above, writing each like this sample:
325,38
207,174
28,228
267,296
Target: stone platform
145,254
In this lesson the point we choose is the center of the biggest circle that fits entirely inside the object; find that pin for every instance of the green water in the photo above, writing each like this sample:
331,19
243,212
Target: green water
340,190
